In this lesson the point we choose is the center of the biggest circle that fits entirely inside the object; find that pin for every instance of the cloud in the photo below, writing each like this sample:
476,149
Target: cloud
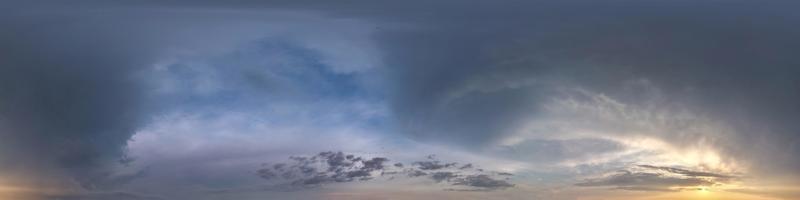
474,77
337,167
103,196
483,181
626,179
687,172
73,112
432,165
443,176
645,189
325,167
70,113
560,79
651,178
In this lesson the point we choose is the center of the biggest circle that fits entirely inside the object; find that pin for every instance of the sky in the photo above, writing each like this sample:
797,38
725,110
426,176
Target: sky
448,99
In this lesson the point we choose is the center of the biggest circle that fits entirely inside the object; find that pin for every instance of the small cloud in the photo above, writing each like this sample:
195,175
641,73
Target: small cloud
467,166
483,181
443,176
416,173
432,165
646,189
504,174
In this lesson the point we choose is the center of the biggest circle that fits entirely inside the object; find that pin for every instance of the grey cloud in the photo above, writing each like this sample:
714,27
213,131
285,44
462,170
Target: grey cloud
504,174
646,189
338,168
627,179
432,165
416,173
76,82
483,181
466,73
375,163
469,73
687,172
111,181
466,166
471,80
68,104
657,178
103,196
341,167
443,176
490,93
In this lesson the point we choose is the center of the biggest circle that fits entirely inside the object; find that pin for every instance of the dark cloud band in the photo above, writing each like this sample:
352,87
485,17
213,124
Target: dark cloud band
336,167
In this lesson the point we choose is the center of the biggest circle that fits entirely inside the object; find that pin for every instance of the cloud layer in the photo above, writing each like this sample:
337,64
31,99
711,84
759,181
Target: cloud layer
669,92
655,178
337,167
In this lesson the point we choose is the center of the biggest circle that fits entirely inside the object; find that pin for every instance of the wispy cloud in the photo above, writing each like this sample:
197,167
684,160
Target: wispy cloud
657,178
687,172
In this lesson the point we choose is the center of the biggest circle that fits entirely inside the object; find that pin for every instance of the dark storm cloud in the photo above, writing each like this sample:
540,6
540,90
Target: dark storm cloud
76,81
69,94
